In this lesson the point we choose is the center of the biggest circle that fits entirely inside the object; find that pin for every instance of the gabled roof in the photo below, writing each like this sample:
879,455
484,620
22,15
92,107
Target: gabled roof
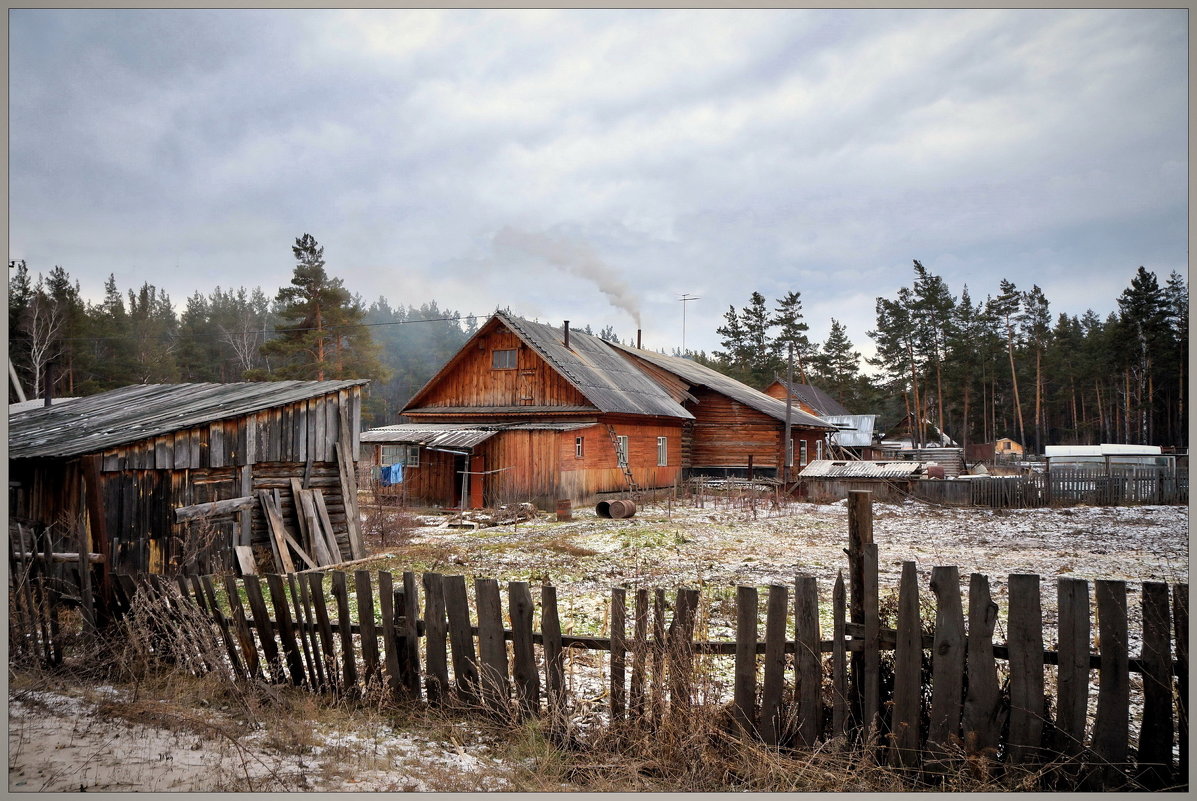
815,398
97,422
698,375
590,365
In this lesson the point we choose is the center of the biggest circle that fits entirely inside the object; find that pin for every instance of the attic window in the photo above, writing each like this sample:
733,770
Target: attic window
502,359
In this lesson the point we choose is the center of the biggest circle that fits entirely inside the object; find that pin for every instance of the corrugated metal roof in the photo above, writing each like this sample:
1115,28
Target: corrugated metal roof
828,468
855,430
97,422
699,375
816,398
455,435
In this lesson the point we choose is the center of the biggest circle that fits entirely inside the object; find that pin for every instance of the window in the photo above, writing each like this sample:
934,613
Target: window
819,449
662,451
406,455
578,443
502,359
802,444
413,456
621,450
789,453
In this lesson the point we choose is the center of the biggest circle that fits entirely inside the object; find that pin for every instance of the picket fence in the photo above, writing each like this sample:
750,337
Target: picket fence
1126,487
917,696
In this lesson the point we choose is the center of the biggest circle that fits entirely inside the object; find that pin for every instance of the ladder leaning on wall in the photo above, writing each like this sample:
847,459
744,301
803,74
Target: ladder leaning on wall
633,487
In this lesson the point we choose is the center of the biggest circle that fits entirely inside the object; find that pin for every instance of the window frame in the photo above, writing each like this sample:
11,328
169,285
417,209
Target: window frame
579,447
662,451
513,358
802,452
621,450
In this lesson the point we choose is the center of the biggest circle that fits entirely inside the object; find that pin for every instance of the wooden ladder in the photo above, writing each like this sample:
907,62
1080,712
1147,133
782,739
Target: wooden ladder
633,487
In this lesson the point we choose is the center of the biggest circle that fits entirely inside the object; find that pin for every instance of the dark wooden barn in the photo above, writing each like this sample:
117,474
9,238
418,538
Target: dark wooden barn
114,468
532,412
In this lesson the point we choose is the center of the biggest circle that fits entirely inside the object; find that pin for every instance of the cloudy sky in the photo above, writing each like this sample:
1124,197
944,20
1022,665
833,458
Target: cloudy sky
597,165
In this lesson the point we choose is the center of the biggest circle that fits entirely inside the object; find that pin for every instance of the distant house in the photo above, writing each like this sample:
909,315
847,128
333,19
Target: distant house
140,452
808,397
531,412
1006,448
854,432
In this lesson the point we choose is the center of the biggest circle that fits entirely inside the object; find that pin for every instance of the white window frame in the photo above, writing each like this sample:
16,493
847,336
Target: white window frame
621,450
802,446
413,456
579,447
789,453
819,450
393,454
662,451
509,358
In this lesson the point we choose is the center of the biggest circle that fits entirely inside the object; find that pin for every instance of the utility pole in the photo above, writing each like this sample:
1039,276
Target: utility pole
788,446
685,298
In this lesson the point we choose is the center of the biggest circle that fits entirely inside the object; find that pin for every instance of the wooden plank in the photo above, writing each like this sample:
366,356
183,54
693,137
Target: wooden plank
344,620
274,523
860,532
330,535
636,694
301,519
245,637
871,647
1072,672
554,659
807,662
947,660
839,659
660,646
369,634
222,623
315,531
257,604
492,649
908,653
618,686
1111,728
1025,634
390,637
286,630
327,656
409,633
216,444
776,614
349,494
523,663
306,632
245,560
744,681
1180,625
981,711
436,682
1154,757
681,650
465,663
212,509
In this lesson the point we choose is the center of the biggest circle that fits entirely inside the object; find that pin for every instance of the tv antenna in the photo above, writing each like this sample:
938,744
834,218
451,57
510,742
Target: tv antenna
685,298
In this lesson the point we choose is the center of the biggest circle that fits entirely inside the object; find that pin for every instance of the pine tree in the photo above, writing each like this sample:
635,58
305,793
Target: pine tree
837,365
320,335
791,337
931,312
1035,325
1005,306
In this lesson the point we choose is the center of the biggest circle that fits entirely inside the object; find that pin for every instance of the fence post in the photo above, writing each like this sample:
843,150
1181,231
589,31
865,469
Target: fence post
871,681
1072,672
1180,624
839,660
387,601
947,659
639,655
523,658
860,533
315,583
492,648
619,648
340,591
554,658
981,713
1154,757
409,643
436,657
257,605
744,696
1026,669
775,661
1112,726
365,620
808,663
908,653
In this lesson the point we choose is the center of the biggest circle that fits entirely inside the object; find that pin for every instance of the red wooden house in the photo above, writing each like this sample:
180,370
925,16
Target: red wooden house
528,411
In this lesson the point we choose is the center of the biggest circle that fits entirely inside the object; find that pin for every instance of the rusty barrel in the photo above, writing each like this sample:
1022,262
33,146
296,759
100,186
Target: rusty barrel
603,509
623,508
565,509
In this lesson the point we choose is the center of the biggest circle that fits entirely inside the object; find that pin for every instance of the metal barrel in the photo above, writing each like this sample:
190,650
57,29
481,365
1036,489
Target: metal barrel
603,509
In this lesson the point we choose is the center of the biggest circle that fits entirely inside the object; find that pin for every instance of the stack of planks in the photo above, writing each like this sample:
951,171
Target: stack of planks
315,542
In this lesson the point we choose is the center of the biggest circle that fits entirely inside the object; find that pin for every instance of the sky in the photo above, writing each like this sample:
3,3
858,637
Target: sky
598,165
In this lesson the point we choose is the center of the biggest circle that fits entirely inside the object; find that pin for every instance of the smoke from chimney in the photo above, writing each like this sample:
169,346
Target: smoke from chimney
575,258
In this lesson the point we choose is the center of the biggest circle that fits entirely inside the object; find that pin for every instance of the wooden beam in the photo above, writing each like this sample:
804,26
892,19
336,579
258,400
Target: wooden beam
213,508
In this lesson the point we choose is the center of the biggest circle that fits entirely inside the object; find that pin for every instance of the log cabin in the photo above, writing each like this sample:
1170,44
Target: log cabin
807,397
113,468
531,412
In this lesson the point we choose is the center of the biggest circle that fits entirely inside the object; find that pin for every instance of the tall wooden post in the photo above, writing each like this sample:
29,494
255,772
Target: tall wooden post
860,533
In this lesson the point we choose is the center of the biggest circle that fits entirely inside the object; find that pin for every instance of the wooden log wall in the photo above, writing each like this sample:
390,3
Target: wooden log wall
726,433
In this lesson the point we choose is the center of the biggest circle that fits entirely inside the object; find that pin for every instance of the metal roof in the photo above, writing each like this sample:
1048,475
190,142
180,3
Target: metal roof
455,435
815,398
97,422
36,403
699,375
828,468
590,365
855,430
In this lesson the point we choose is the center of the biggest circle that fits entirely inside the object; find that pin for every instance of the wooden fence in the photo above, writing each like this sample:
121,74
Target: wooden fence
1126,487
918,693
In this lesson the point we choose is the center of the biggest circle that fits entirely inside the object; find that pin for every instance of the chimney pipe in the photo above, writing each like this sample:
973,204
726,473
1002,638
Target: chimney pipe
638,346
567,334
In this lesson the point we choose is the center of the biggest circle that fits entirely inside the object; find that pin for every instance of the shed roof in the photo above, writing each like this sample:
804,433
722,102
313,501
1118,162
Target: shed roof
855,430
815,398
828,468
97,422
698,375
590,365
455,435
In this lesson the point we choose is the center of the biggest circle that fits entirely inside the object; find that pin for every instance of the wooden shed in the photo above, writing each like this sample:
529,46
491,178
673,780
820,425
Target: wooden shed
531,412
118,465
